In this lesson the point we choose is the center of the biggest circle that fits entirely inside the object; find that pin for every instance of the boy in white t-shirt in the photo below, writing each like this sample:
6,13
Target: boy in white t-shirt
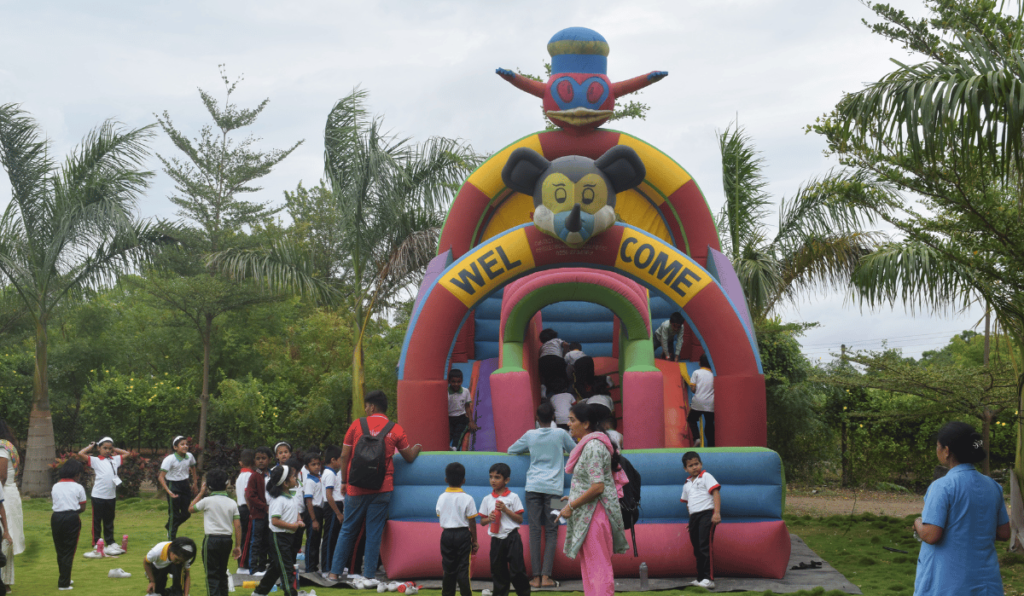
247,462
702,498
68,503
170,560
313,510
460,410
334,505
562,401
504,512
702,404
457,513
551,360
175,471
104,492
220,522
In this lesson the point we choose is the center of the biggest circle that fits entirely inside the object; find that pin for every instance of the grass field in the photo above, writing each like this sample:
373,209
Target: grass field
852,544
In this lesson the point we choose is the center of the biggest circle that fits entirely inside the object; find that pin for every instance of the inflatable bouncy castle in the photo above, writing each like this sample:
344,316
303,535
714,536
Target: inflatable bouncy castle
600,236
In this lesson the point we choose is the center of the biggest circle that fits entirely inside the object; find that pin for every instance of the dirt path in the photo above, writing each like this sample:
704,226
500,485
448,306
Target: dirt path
844,502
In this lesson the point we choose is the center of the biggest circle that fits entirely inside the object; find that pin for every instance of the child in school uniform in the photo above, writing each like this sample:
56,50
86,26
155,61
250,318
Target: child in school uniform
551,361
104,493
457,513
701,493
170,560
256,498
175,472
334,505
220,522
313,511
284,522
65,524
504,512
247,461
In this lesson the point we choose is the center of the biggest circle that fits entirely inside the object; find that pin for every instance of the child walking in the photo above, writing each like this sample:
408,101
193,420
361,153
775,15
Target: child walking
702,498
313,511
334,499
104,493
457,512
220,522
256,498
247,461
175,472
284,522
65,524
170,560
503,509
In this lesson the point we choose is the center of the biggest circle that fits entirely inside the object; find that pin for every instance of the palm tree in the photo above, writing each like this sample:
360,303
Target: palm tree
819,237
67,227
389,199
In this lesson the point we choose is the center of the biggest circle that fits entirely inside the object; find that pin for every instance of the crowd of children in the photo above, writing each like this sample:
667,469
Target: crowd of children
282,506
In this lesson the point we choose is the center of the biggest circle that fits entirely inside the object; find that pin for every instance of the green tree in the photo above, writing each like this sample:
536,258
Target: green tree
216,169
390,197
67,228
819,237
951,128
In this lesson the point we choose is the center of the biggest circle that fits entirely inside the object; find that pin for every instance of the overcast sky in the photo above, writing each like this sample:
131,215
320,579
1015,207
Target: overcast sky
429,68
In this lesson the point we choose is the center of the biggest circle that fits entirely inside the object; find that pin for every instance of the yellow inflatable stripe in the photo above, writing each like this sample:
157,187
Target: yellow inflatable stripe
638,212
487,177
662,172
684,372
514,211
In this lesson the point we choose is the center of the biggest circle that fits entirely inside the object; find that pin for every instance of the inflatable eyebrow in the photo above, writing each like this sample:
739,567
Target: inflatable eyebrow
579,95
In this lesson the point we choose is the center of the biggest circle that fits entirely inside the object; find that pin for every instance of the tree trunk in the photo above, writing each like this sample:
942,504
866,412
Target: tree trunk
40,451
847,477
986,430
358,379
204,397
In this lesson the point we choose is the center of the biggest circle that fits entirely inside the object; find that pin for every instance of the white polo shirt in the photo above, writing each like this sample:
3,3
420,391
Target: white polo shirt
703,399
105,468
67,495
219,514
511,501
240,483
457,402
159,556
177,466
313,488
697,492
455,508
285,509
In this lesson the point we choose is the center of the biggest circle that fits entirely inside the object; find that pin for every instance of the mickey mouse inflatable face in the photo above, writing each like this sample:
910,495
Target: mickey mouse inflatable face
573,196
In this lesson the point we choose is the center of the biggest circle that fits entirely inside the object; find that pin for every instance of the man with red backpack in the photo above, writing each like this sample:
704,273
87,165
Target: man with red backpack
367,474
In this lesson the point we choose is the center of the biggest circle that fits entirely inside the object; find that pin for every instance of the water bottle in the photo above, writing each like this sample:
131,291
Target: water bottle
124,543
101,547
643,577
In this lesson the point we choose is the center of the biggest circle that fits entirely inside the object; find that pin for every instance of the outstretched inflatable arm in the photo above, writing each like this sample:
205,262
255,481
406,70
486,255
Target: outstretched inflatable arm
525,83
636,83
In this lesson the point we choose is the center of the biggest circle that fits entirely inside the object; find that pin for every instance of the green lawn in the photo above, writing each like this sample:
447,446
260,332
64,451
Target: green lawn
852,544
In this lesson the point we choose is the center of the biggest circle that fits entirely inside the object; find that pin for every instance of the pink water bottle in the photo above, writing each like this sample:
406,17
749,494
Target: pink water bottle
124,543
101,547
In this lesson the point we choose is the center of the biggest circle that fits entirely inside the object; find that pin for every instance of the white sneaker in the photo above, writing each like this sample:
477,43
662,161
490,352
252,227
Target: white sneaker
259,574
113,550
485,592
242,571
707,584
67,588
93,554
118,573
695,583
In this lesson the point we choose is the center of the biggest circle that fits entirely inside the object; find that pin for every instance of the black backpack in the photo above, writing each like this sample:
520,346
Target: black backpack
630,501
369,458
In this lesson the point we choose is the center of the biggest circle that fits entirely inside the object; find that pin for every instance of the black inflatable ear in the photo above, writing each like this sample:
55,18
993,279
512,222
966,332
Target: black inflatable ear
622,166
523,169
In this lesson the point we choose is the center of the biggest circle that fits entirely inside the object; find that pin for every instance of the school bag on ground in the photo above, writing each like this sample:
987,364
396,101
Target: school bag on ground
630,501
370,458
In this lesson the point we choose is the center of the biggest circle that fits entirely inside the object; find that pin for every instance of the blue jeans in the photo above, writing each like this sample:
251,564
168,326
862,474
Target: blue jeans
374,509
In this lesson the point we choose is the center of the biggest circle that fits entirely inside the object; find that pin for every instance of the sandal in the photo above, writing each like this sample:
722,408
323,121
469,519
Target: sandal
554,584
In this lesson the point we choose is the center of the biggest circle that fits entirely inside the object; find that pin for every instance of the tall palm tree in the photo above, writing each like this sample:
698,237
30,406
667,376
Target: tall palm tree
67,227
389,196
819,237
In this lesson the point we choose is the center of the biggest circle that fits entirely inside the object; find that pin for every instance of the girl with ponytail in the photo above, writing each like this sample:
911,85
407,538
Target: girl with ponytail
284,522
964,513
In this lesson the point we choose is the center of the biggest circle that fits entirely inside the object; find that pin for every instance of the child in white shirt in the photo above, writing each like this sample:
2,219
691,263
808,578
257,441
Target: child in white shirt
457,513
104,492
504,512
284,523
68,503
220,522
702,498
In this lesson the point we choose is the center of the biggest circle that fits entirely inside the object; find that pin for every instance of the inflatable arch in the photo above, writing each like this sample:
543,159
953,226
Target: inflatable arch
498,278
